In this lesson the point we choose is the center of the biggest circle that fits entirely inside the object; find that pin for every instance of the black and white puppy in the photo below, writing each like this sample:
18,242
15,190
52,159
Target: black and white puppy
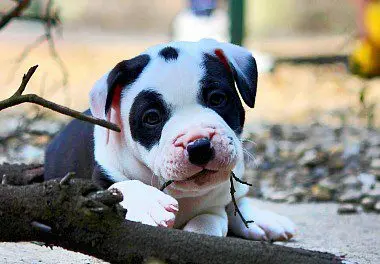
181,118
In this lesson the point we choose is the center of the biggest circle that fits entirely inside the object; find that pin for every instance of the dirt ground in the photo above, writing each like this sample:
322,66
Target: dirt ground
319,228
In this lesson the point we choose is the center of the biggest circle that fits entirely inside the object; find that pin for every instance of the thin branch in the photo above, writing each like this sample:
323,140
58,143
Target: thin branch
166,184
239,180
55,20
232,191
25,80
49,20
15,12
17,98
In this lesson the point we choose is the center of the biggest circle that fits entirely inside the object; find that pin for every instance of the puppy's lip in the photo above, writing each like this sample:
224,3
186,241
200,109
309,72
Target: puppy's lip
202,173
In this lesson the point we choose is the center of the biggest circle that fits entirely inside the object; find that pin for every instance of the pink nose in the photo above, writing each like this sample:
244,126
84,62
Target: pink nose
193,134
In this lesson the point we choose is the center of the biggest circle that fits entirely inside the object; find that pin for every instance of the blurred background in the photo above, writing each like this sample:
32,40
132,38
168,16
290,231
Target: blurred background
92,36
315,123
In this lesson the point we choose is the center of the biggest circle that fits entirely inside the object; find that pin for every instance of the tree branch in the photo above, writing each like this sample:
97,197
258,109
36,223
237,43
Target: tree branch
15,12
79,217
18,98
49,19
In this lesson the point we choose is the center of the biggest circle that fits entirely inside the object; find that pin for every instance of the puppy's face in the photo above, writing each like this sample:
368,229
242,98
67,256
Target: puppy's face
181,115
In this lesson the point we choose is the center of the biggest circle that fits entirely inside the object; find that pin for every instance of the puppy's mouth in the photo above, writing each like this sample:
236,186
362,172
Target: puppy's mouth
203,173
199,178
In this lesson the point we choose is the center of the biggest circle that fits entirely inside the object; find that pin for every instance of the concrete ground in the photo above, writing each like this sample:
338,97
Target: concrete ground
319,228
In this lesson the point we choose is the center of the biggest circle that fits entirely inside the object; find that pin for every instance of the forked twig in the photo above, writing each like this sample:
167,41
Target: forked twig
232,191
18,98
49,19
239,180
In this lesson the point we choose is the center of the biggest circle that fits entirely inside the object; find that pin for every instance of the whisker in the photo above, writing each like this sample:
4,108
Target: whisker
250,156
151,180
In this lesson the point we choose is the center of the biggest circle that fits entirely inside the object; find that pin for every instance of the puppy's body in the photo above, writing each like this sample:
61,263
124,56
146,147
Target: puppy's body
181,118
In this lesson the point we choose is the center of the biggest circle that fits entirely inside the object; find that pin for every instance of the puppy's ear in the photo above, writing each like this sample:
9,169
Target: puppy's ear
106,92
242,65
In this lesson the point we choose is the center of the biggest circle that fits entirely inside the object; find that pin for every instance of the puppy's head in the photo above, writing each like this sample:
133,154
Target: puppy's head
180,111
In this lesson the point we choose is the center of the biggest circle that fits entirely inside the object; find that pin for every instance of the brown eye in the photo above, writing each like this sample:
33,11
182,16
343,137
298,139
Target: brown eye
152,117
217,99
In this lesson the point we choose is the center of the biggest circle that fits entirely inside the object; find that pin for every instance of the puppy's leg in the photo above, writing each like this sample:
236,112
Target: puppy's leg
147,204
267,225
214,222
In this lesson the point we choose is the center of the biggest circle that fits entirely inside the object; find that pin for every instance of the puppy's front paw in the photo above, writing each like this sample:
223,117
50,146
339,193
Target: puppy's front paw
266,226
147,204
269,226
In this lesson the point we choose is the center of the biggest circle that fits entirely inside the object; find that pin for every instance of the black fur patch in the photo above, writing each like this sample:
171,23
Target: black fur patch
169,53
218,78
147,99
124,73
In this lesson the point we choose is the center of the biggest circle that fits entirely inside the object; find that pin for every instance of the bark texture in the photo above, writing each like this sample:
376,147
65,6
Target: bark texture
76,215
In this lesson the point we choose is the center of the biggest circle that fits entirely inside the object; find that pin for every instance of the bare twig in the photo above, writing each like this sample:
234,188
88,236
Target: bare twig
239,180
15,12
232,191
55,19
166,184
49,20
18,98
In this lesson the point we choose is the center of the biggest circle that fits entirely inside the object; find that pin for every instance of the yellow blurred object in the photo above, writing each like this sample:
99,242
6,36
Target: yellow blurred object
365,59
372,22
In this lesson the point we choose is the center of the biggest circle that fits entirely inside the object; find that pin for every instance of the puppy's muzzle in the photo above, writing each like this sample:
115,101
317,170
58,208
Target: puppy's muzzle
200,151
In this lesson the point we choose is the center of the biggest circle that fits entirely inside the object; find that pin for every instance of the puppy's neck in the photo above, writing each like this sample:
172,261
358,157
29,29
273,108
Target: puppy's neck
113,156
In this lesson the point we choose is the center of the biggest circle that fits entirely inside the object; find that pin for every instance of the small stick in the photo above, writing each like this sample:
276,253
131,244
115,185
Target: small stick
18,98
232,191
15,12
166,184
239,180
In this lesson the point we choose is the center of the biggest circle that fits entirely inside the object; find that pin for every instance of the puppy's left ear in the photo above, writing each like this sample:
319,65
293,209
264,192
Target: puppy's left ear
106,93
242,65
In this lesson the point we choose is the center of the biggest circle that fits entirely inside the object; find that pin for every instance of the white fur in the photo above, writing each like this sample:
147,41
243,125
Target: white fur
136,169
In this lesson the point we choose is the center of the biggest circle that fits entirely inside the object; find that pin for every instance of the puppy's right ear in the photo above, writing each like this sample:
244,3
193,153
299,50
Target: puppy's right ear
106,92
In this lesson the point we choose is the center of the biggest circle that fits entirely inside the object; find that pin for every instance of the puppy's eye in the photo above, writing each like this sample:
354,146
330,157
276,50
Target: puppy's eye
217,99
152,117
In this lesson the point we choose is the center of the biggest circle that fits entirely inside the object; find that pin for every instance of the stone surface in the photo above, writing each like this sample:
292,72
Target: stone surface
350,196
347,209
368,203
320,193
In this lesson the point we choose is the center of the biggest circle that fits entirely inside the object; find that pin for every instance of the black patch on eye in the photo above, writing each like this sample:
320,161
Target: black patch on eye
124,73
218,78
145,135
169,53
